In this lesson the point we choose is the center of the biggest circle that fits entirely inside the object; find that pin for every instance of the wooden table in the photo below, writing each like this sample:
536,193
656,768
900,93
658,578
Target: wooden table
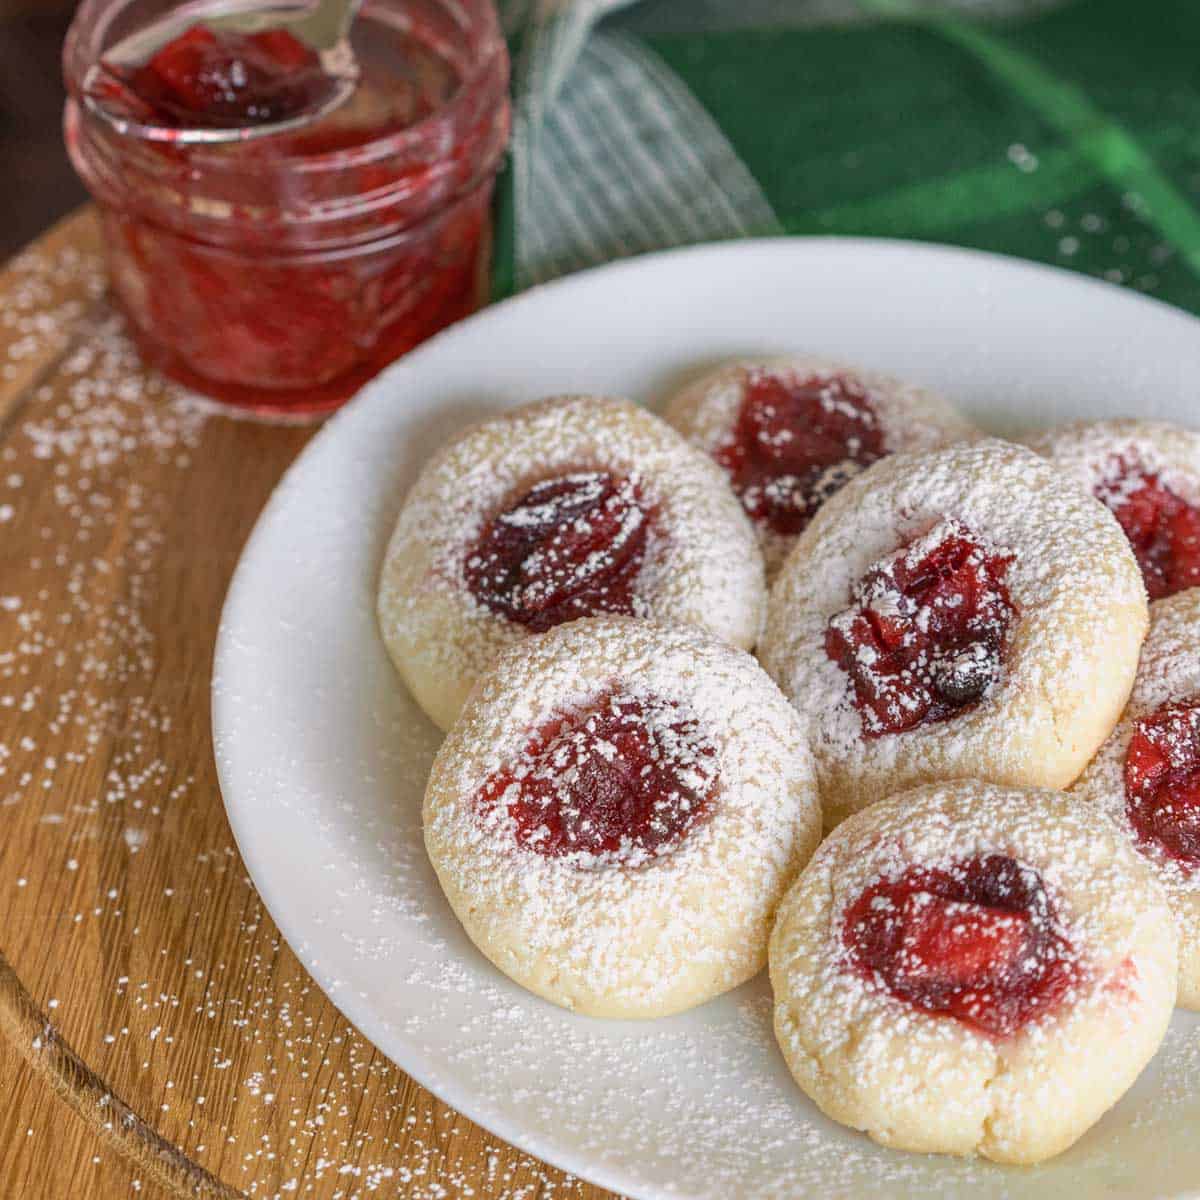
145,986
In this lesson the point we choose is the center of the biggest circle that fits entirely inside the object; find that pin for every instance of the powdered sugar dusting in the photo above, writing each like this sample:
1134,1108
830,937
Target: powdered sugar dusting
926,634
1107,456
643,934
700,567
1169,673
859,1048
904,417
1073,647
83,437
1148,474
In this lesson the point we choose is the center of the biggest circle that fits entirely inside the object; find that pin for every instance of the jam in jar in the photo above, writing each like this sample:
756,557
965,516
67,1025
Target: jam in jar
280,273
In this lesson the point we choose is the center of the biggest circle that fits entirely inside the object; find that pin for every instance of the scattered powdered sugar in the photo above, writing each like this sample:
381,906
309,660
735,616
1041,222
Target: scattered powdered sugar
98,780
87,432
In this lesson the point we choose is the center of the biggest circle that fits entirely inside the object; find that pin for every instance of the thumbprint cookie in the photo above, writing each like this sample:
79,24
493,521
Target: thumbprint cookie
617,813
971,969
572,507
1146,777
959,613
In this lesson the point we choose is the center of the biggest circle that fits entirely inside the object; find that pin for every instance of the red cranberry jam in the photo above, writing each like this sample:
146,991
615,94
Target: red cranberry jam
976,941
624,780
1162,781
280,273
569,547
1162,528
796,441
926,634
209,79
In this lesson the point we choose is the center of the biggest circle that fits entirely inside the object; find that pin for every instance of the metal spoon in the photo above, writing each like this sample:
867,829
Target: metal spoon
324,28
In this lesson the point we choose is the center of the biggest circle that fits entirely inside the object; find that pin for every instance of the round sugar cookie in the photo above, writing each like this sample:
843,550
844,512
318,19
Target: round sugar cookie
958,613
1148,473
1146,777
617,813
789,432
970,969
570,507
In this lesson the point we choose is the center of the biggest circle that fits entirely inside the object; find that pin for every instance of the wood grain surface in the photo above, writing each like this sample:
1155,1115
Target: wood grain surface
159,1038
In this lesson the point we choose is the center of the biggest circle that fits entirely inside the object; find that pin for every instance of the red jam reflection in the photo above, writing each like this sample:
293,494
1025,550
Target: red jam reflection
1162,782
279,274
976,941
925,636
620,782
796,442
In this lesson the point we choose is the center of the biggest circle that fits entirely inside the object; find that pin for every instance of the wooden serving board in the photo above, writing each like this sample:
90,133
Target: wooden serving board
160,1039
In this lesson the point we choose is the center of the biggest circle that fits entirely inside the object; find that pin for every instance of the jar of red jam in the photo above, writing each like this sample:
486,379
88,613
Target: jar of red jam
279,273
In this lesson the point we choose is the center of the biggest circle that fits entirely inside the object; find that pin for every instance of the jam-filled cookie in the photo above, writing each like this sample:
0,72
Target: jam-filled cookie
965,968
617,813
567,508
789,432
958,613
1147,775
1148,473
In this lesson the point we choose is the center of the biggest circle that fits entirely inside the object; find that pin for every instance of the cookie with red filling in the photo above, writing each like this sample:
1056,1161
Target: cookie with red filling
572,507
971,969
958,613
617,813
789,432
1146,777
1148,474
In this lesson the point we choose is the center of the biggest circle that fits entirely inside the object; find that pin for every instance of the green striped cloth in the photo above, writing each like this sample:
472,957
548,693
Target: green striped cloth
1065,132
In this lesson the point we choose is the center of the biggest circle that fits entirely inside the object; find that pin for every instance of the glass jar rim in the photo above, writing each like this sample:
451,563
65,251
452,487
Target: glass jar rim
77,59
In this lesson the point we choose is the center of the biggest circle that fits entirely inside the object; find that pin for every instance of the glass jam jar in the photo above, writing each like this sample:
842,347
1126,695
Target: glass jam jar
280,273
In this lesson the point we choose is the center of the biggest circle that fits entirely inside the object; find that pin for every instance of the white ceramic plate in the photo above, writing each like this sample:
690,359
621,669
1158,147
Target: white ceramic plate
323,756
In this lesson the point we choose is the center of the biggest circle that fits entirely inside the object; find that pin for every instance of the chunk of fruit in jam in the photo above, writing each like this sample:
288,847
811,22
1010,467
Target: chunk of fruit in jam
622,781
1162,782
957,943
976,941
796,442
926,634
571,546
1162,528
220,79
